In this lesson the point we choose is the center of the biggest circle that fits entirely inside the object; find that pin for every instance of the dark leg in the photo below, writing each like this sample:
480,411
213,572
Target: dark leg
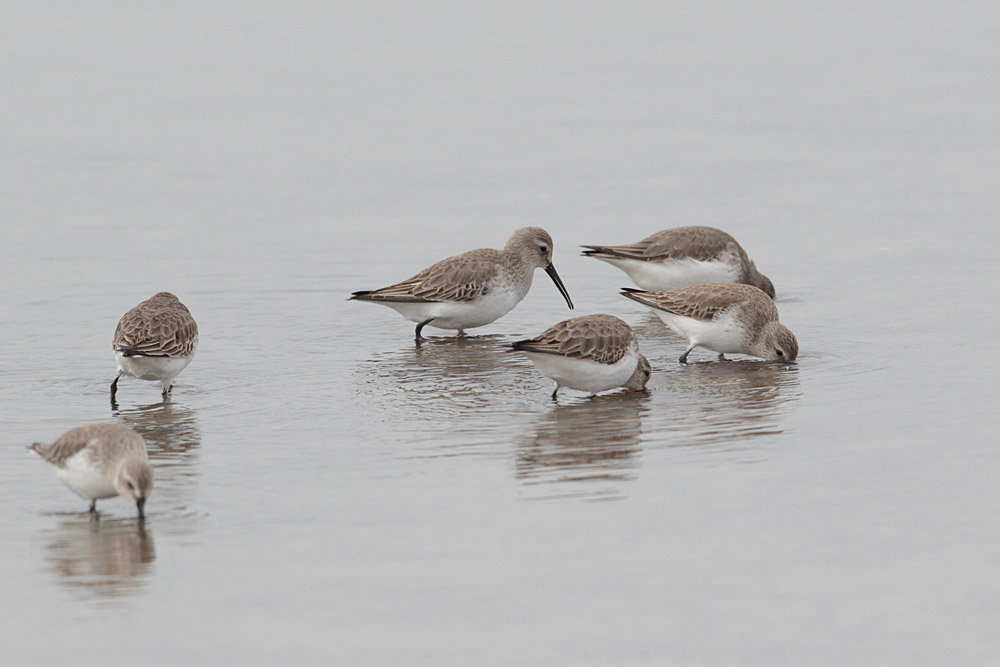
555,392
722,357
461,333
93,506
167,390
421,326
684,357
114,386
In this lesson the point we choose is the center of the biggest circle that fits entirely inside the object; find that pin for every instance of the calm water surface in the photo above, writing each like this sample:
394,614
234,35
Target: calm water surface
327,493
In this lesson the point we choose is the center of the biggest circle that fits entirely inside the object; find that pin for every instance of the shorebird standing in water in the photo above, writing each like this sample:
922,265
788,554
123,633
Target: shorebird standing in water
155,341
472,289
681,257
591,353
101,461
722,317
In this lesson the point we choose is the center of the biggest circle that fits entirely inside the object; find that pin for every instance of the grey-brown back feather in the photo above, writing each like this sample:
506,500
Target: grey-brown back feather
601,338
160,326
702,243
705,302
464,277
115,439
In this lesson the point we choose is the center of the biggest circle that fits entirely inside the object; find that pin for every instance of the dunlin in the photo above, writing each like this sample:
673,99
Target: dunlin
723,317
155,341
472,289
684,256
101,461
591,353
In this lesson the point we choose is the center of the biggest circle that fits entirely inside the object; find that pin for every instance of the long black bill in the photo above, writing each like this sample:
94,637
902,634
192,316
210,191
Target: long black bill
141,504
551,270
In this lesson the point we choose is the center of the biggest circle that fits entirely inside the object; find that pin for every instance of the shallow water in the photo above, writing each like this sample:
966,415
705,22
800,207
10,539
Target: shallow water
328,493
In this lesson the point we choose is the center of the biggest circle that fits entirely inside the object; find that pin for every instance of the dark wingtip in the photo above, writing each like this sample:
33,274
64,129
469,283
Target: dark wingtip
359,296
132,352
632,293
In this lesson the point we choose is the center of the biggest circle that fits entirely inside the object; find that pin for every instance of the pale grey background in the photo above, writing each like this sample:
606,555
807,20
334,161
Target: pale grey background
327,495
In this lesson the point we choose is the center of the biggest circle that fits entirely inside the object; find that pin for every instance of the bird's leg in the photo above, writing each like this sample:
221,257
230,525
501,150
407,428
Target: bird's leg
461,333
421,326
114,386
722,357
555,392
93,506
684,357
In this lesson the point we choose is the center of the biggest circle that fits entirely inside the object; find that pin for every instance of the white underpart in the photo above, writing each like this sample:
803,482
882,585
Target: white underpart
585,374
156,369
677,273
85,479
723,334
462,314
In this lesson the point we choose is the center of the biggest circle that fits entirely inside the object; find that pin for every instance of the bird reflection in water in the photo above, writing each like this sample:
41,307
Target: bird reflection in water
440,379
728,403
106,561
173,441
587,449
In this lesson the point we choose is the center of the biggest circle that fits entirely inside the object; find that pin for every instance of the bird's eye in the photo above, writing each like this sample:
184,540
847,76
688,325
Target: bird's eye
646,373
130,485
780,353
543,249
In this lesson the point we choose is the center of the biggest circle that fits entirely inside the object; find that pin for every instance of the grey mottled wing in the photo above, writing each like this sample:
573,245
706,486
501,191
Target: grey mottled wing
58,452
702,243
601,338
704,302
157,332
463,277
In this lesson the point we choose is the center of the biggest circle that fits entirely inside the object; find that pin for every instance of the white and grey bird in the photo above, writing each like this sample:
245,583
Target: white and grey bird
591,353
724,318
155,341
472,289
101,461
681,257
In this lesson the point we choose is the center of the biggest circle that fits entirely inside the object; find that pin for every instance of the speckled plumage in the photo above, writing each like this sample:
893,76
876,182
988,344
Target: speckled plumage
723,317
692,251
601,338
155,341
591,353
101,461
471,289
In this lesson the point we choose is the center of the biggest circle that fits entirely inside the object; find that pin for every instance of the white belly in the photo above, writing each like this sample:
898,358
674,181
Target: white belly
85,480
161,369
674,273
584,374
722,334
459,314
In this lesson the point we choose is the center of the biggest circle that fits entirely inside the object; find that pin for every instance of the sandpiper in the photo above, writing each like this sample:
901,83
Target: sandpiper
101,461
155,341
722,317
684,256
591,353
472,289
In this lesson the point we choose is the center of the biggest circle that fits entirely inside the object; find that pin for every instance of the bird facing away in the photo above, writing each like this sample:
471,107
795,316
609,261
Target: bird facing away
723,317
101,461
472,289
591,353
155,341
683,256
